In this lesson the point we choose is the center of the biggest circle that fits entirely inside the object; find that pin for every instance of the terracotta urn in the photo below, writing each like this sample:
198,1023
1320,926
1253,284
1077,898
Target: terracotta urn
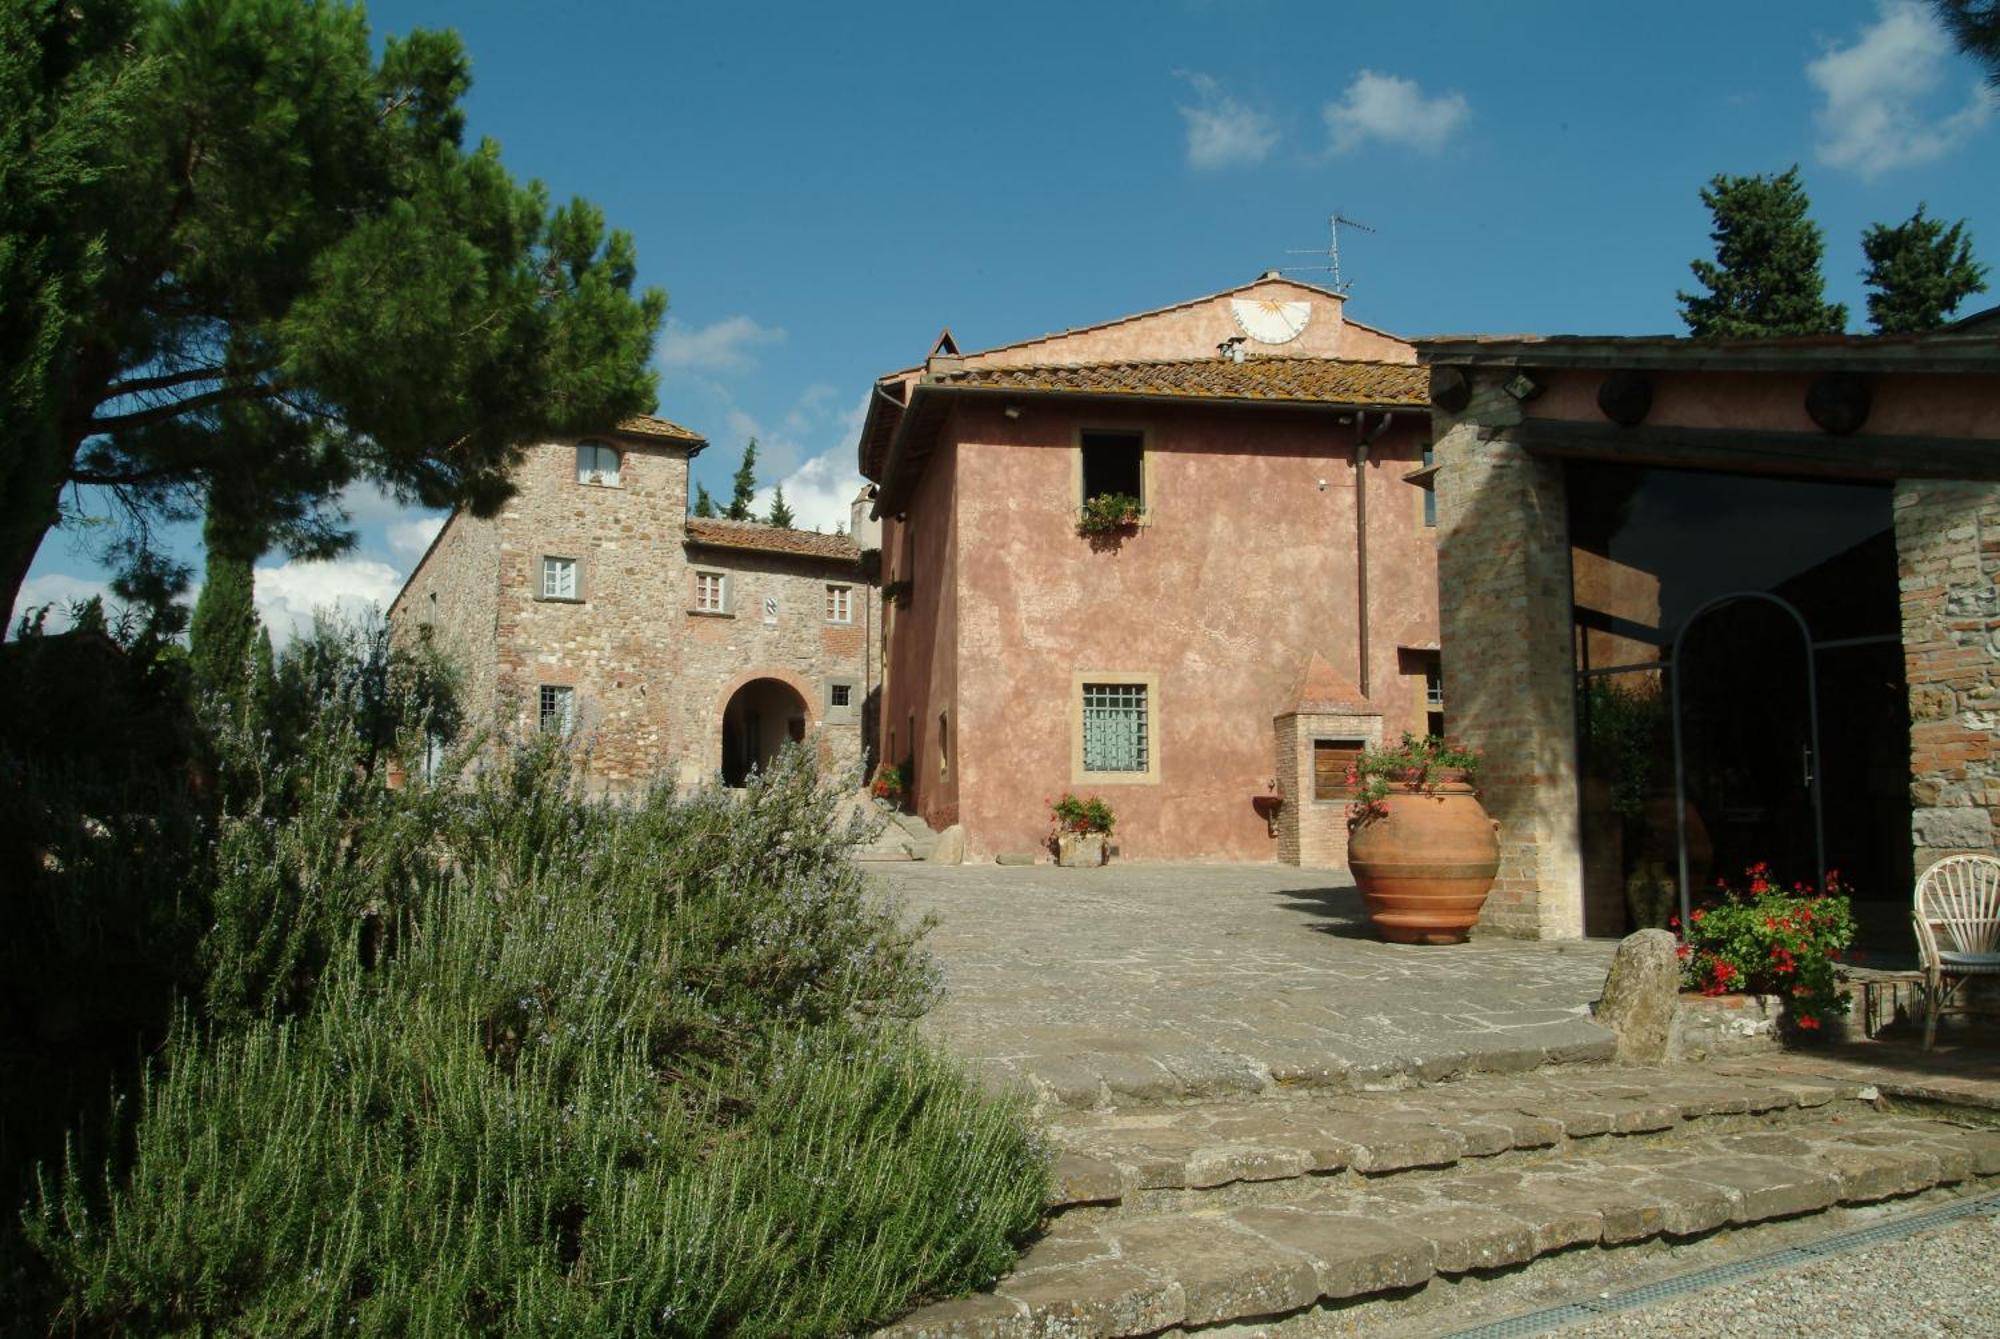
1425,858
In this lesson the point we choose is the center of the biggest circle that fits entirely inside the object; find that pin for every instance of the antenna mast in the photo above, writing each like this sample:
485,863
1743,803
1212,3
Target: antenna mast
1332,252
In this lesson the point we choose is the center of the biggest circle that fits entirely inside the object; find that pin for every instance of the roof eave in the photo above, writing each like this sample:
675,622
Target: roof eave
1922,354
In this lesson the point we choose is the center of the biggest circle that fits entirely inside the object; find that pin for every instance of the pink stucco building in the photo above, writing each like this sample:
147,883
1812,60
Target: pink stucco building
1207,670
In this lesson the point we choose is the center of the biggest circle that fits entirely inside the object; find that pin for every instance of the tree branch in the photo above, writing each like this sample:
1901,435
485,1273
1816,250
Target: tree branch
164,381
140,418
125,480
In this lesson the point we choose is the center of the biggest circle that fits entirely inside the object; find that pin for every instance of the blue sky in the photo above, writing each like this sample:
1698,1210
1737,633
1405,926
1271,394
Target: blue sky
821,187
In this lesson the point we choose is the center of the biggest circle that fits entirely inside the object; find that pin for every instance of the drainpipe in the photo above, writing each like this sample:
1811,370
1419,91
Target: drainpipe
1364,437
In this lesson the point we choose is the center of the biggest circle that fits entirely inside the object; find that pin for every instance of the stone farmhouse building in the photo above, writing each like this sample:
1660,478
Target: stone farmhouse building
1715,602
1208,670
669,647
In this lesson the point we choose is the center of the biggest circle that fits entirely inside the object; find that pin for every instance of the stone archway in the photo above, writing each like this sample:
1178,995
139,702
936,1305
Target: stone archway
759,718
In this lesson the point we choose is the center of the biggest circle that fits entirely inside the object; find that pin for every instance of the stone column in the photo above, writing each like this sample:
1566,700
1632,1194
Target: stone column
1948,556
1509,673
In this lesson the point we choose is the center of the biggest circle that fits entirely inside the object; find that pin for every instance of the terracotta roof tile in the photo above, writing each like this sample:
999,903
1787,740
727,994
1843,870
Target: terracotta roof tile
1321,687
717,533
1280,380
646,425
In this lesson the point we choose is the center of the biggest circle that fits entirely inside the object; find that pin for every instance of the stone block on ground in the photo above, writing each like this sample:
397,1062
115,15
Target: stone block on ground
950,847
1641,997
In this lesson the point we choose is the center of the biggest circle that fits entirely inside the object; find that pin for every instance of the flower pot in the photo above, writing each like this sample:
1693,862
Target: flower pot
1425,859
1076,850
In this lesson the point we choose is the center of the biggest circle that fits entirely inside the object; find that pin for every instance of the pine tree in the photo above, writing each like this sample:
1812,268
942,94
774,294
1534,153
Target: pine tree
781,515
745,484
1765,277
1975,26
246,235
704,505
1918,272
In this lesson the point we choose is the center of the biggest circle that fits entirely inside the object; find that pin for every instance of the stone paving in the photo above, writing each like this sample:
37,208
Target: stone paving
1160,983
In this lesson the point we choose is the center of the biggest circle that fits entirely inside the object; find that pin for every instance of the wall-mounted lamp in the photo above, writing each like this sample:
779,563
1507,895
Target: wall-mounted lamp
1522,386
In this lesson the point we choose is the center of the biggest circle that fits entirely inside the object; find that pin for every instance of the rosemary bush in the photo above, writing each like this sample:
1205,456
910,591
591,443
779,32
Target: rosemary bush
490,1057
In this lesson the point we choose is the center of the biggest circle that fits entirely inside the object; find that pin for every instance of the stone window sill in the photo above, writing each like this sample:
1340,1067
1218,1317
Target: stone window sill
711,613
558,599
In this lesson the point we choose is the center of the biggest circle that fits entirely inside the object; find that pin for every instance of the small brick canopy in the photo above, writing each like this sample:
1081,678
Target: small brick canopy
1322,704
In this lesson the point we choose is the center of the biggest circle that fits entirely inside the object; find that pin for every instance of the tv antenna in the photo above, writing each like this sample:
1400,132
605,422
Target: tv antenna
1334,222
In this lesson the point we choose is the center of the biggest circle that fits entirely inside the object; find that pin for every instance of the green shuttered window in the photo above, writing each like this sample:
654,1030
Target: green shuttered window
1114,727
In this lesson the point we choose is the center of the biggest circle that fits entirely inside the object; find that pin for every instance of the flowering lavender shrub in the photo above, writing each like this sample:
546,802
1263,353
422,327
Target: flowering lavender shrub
489,1056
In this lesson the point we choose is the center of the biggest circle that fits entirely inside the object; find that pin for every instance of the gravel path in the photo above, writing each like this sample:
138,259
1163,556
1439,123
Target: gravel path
1944,1281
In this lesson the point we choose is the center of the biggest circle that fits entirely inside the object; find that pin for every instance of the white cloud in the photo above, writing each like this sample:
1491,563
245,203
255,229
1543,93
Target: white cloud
54,588
1875,115
348,588
409,539
1390,110
1222,132
720,346
819,492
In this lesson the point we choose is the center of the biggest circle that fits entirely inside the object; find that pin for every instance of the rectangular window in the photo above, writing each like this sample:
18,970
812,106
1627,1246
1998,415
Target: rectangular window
1331,760
1114,463
558,709
840,604
558,578
1430,491
840,695
1115,728
596,463
711,592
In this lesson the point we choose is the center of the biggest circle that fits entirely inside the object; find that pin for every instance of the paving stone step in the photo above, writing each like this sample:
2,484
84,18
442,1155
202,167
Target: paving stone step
1177,1157
1358,1238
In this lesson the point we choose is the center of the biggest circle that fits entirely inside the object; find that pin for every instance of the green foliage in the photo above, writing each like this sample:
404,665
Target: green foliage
479,1054
222,638
1417,764
1975,26
1918,272
1075,815
781,515
1765,940
291,274
1108,513
743,485
1623,739
1765,277
704,505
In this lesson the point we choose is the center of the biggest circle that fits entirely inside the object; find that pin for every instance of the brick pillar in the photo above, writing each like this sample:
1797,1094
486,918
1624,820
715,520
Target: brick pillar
1948,556
1509,676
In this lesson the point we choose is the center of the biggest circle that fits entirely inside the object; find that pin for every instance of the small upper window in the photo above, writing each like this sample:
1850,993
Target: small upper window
558,578
596,463
840,695
711,592
1114,463
840,604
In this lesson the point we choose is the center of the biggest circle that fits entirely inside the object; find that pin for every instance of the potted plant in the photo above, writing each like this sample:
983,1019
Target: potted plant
889,785
1081,827
1419,844
1109,514
1766,940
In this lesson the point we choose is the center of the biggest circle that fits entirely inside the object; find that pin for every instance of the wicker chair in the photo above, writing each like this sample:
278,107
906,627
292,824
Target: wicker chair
1957,916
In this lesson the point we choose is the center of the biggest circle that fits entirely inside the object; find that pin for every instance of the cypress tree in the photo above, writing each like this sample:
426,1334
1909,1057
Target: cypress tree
223,635
781,515
1765,277
704,505
745,486
1918,272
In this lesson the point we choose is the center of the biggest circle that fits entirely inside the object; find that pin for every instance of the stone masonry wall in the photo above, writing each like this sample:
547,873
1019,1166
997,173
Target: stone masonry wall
1503,554
453,600
1948,557
796,645
1312,833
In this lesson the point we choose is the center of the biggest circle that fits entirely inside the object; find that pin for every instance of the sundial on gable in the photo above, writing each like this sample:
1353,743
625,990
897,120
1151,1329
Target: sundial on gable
1270,321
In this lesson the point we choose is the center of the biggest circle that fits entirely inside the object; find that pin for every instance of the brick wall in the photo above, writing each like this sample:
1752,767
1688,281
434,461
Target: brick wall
1948,556
1313,832
1509,681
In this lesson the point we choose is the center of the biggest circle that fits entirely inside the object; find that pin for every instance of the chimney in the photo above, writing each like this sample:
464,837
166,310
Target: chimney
1231,348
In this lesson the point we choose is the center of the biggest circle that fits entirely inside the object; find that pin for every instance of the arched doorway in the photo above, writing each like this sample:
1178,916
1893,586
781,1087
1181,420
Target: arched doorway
760,719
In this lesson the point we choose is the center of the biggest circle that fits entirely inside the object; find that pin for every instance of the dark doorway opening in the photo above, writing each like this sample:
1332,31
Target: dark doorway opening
761,718
1659,554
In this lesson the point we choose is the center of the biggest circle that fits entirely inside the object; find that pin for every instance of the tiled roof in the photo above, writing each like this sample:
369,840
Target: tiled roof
721,534
646,425
1280,380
